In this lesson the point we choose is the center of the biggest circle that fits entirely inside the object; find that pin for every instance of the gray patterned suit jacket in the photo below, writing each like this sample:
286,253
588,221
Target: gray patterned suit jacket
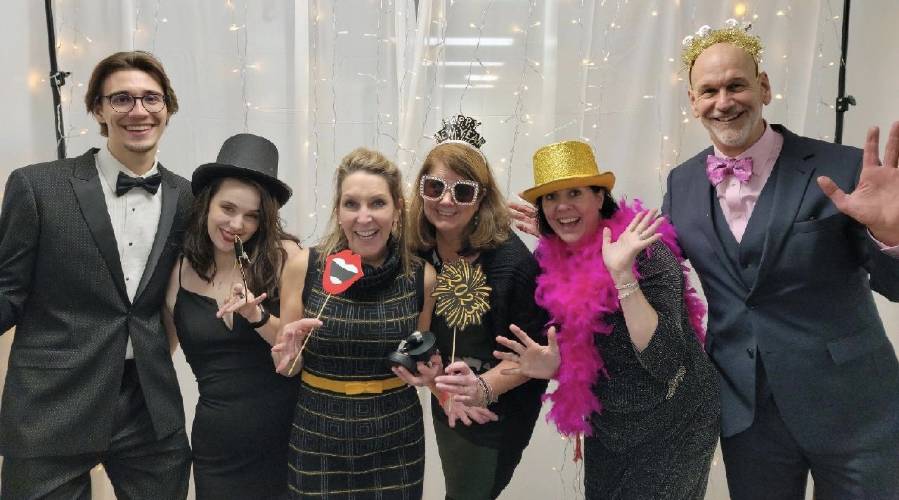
810,312
62,287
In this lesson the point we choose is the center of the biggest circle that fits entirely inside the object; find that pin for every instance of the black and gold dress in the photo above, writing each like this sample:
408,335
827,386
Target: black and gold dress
349,441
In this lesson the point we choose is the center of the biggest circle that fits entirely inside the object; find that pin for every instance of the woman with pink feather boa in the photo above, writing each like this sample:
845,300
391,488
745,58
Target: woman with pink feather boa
626,342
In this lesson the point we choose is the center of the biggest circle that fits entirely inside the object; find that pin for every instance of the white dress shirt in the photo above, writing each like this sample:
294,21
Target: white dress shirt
135,219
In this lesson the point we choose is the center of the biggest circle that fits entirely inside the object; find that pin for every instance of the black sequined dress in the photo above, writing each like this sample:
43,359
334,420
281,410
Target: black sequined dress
365,446
660,421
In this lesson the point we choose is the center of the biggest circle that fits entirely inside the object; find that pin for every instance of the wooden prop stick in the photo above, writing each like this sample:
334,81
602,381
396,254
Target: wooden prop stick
342,269
453,356
306,340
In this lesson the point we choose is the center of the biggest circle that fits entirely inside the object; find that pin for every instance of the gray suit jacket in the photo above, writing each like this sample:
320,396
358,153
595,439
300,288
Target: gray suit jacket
810,312
61,285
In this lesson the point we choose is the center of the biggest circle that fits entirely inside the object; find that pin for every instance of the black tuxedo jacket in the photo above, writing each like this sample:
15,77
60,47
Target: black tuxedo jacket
809,311
62,287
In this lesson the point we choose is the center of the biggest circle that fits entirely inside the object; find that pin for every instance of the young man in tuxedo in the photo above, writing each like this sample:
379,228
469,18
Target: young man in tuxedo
788,262
86,248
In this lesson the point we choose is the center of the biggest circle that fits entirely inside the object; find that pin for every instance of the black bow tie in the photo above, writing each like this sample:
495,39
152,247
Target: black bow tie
125,183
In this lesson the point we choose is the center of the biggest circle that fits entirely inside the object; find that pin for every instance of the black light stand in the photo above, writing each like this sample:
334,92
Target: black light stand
57,80
843,100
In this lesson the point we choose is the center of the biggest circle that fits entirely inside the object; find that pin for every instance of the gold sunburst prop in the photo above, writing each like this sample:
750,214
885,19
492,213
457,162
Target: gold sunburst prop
462,295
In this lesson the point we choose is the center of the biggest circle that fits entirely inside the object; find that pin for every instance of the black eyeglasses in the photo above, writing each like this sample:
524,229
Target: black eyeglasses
464,192
123,102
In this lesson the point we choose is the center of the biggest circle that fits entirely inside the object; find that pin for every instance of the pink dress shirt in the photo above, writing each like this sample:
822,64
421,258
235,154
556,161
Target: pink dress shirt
738,199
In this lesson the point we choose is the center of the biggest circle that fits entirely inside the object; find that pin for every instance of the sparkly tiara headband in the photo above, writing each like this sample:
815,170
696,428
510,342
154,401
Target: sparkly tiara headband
733,33
460,129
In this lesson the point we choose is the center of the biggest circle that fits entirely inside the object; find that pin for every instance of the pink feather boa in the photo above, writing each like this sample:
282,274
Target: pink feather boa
578,292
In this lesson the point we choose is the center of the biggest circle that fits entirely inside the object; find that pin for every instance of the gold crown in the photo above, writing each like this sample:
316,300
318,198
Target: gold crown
564,165
733,33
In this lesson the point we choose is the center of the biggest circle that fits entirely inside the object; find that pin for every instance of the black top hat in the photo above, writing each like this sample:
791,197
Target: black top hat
245,156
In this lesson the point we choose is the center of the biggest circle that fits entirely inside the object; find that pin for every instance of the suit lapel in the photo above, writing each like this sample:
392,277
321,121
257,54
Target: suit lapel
170,195
792,183
703,193
86,184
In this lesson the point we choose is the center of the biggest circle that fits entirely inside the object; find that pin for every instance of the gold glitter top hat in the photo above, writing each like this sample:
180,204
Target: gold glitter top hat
733,33
564,165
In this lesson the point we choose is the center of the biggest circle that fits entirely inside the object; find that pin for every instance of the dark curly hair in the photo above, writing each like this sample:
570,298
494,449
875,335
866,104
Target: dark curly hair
267,256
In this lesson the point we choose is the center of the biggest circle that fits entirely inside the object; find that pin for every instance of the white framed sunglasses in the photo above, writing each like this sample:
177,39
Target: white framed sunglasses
464,192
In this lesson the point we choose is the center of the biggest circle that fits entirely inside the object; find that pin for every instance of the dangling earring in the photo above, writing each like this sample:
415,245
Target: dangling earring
476,220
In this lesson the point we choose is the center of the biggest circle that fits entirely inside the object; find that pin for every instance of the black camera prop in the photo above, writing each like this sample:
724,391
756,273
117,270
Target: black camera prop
419,346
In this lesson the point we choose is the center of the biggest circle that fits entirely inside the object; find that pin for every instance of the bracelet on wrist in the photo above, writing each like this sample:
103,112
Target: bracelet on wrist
487,395
623,294
266,315
626,286
482,394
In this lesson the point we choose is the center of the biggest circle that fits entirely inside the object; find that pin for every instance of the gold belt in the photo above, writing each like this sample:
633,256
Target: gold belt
352,387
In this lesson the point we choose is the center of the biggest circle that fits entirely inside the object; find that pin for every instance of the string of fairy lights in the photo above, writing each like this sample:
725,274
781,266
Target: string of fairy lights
518,113
607,49
479,27
384,9
313,114
434,53
591,18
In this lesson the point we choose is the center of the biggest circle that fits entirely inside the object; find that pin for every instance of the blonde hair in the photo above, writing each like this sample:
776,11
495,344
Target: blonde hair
374,163
491,224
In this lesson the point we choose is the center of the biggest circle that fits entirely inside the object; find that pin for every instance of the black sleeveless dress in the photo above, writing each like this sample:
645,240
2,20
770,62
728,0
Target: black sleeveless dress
242,423
365,446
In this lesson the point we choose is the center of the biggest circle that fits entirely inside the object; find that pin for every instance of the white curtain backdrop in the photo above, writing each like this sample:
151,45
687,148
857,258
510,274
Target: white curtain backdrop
321,77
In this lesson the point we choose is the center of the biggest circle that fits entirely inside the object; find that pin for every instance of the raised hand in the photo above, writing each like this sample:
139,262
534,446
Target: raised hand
247,305
618,256
426,372
875,200
524,217
533,360
290,339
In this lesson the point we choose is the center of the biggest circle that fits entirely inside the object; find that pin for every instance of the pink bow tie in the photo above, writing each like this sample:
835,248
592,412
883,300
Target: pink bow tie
719,168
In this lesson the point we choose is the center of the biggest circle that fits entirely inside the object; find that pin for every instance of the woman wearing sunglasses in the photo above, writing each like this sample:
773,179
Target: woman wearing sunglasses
459,213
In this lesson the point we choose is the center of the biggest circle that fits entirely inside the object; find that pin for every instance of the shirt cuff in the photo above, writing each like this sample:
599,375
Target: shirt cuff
891,251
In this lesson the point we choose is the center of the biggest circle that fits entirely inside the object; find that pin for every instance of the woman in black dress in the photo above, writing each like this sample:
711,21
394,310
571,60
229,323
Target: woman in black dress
242,421
357,431
632,375
459,213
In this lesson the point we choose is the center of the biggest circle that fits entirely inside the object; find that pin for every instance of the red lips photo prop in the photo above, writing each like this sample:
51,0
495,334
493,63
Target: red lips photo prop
342,269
